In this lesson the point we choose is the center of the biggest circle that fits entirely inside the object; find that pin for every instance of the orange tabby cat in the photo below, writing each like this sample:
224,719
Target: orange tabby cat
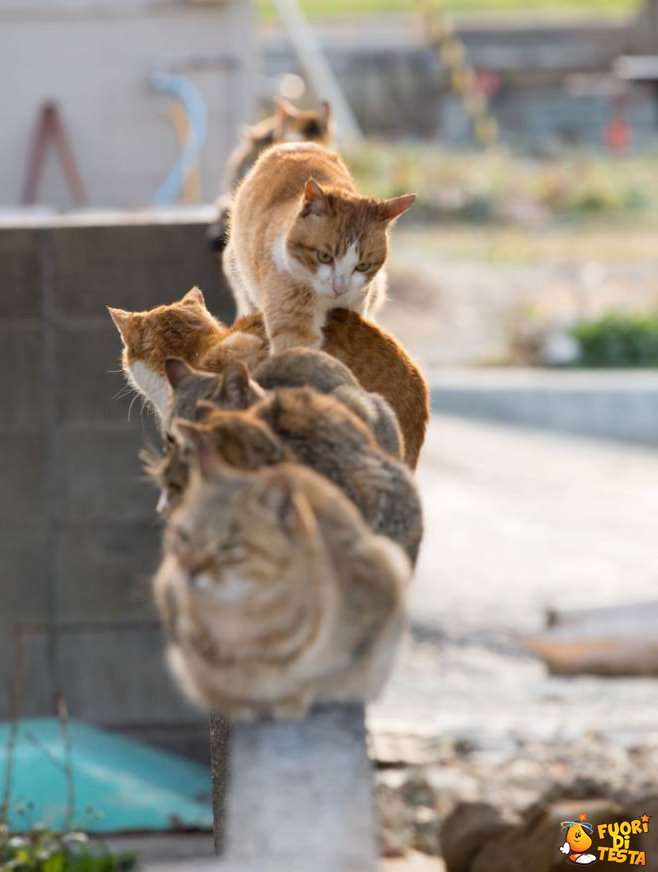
303,241
274,594
186,329
288,124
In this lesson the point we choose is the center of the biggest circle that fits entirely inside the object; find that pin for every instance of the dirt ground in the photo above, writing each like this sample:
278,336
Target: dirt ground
459,292
518,522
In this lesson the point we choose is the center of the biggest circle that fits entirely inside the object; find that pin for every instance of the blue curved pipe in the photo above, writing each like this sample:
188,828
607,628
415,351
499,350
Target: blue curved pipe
194,104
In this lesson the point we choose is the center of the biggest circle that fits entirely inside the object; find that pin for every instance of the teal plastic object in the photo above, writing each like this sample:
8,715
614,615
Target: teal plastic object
119,785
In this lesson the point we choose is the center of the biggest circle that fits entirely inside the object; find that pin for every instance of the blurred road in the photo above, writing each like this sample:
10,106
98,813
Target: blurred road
517,521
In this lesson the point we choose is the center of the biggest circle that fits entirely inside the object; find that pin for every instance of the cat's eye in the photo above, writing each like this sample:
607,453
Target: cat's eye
324,257
362,266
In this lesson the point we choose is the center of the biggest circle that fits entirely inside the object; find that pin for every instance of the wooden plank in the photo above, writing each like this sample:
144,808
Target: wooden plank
611,640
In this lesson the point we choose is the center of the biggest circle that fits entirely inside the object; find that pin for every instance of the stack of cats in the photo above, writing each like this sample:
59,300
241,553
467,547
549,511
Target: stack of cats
292,519
186,329
288,124
291,502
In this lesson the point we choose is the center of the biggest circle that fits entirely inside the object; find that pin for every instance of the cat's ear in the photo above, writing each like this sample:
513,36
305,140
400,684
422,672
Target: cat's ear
325,111
203,409
235,390
315,202
194,297
391,209
200,443
175,370
121,320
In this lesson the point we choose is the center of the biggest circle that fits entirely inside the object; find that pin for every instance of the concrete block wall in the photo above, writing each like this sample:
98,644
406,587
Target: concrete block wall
79,536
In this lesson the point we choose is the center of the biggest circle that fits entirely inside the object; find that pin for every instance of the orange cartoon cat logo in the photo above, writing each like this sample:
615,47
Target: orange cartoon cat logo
578,841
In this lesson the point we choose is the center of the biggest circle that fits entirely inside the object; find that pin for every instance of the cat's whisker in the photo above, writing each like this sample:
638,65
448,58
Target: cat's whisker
131,405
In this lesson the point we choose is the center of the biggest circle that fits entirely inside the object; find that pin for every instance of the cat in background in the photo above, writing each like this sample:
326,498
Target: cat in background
186,329
303,240
287,124
314,429
274,594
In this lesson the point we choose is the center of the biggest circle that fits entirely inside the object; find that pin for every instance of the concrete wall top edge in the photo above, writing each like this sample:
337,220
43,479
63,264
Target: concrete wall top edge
111,218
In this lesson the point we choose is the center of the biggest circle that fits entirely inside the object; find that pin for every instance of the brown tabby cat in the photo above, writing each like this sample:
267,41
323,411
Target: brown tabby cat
302,425
297,367
274,594
288,124
304,241
186,329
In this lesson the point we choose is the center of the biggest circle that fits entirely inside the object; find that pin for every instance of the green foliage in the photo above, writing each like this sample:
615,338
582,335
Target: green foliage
618,340
345,8
501,185
41,850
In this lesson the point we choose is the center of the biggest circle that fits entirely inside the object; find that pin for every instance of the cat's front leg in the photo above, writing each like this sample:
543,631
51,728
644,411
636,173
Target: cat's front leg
293,318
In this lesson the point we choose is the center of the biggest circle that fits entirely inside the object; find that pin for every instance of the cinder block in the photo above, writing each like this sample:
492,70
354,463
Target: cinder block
100,477
87,382
20,272
25,574
21,376
133,266
104,572
24,479
118,677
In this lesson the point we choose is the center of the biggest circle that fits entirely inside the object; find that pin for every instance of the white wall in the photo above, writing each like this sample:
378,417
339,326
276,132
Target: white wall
94,58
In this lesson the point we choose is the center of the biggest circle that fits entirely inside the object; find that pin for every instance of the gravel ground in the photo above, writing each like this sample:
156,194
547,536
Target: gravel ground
517,522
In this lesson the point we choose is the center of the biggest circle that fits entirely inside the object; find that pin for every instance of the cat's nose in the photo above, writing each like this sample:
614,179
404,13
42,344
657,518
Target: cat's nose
339,288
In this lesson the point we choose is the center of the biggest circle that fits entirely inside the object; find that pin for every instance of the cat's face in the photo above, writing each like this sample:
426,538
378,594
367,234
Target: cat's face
149,338
298,125
237,537
339,242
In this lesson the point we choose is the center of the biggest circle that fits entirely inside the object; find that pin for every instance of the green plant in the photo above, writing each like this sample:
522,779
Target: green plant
41,850
618,340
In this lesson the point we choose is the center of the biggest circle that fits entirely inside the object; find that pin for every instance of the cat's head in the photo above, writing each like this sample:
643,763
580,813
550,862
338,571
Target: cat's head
339,241
240,535
233,389
238,438
303,125
149,338
170,472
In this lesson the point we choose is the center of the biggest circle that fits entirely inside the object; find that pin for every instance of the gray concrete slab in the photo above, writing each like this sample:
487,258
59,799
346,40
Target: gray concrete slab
621,405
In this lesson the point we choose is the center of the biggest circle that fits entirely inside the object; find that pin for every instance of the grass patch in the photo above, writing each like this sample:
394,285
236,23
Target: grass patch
41,850
346,8
501,186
